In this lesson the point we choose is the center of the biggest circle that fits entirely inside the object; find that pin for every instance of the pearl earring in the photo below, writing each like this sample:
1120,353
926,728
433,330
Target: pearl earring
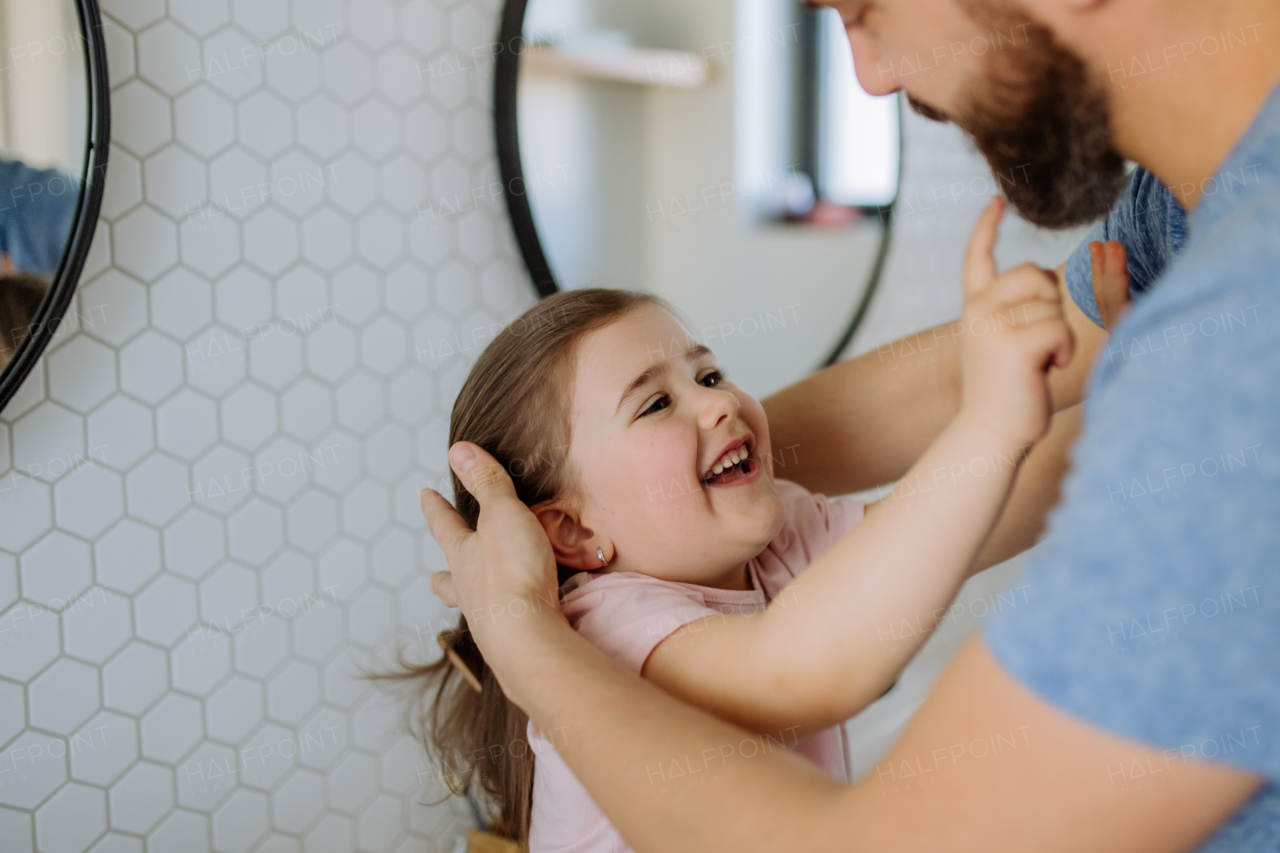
600,554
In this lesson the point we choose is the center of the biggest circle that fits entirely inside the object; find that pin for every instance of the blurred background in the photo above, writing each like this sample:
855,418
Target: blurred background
209,525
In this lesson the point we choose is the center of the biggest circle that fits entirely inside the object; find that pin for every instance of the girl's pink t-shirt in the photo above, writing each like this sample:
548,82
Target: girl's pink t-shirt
626,615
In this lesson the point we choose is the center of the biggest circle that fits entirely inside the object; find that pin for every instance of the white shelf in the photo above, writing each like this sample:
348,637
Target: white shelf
637,66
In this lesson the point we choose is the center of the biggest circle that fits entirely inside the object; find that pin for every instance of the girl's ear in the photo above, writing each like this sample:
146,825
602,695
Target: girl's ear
574,545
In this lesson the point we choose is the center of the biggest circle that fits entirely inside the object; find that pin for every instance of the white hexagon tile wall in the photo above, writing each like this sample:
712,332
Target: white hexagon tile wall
208,513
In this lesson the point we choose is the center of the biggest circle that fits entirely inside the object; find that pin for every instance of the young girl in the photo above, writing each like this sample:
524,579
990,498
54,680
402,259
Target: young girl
653,476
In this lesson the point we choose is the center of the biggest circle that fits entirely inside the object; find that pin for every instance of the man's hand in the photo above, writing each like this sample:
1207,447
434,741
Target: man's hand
1014,331
504,568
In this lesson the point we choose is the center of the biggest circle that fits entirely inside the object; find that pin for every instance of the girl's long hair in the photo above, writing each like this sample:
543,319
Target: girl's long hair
516,405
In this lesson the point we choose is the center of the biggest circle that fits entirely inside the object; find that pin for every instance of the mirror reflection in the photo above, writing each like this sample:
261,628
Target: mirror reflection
720,155
43,132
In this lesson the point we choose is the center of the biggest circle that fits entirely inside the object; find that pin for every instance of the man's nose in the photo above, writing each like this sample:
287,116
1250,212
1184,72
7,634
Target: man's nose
875,74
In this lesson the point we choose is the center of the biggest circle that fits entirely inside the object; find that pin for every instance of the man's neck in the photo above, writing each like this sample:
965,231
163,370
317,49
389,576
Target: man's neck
1185,91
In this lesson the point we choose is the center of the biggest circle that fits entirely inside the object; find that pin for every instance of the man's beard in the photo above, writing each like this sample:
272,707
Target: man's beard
1043,124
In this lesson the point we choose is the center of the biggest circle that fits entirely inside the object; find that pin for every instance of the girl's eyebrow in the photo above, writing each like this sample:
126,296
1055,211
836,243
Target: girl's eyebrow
692,354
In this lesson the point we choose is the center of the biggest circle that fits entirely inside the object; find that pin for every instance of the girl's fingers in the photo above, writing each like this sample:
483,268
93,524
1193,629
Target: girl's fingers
980,260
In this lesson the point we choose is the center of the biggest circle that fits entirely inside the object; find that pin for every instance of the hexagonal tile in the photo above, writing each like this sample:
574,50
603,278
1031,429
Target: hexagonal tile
210,245
380,238
275,357
181,830
232,62
13,711
151,367
222,479
165,609
63,696
243,300
141,797
127,556
312,521
298,182
395,557
298,801
371,618
234,709
216,360
81,374
270,241
207,776
176,182
196,666
398,76
203,120
72,818
134,14
141,118
123,191
168,58
293,693
229,597
322,126
343,451
307,408
96,626
56,570
377,129
145,243
261,18
348,73
240,822
326,238
171,728
249,416
133,679
262,643
423,25
412,396
255,531
120,433
181,303
281,469
352,783
317,633
426,132
89,501
48,441
119,44
187,424
297,75
266,124
157,489
355,184
103,748
194,543
379,825
331,351
200,16
360,402
42,771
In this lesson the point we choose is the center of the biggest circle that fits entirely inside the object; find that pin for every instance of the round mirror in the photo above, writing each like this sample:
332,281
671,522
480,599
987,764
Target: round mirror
718,154
54,131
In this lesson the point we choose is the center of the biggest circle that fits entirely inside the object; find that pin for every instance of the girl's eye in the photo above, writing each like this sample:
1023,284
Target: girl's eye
657,405
716,377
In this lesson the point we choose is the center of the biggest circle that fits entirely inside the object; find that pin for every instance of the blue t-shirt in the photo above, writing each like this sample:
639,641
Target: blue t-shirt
36,209
1152,609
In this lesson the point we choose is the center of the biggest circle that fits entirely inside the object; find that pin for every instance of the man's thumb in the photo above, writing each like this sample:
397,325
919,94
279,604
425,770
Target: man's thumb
480,473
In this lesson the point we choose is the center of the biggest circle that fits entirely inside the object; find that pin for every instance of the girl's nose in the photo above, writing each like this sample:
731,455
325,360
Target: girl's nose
718,405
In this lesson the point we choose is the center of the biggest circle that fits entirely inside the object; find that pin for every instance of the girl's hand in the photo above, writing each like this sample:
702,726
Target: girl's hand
503,569
1110,281
1014,331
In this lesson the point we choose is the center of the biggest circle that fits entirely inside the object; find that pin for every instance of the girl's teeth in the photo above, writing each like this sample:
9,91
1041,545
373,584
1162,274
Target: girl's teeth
728,460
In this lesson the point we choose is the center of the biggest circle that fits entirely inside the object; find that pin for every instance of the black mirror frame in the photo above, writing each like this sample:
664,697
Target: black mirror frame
506,131
62,288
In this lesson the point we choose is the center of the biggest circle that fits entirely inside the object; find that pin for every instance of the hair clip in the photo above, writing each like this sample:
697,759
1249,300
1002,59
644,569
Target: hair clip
459,664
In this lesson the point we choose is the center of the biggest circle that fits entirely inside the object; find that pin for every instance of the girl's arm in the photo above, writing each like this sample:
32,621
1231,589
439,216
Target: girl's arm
833,640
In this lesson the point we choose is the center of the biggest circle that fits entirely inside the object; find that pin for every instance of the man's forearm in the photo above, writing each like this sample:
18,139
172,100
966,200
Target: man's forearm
863,422
640,751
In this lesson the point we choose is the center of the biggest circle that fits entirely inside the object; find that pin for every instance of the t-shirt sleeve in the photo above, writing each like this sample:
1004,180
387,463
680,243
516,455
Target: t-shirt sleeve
626,614
814,522
1151,609
1150,223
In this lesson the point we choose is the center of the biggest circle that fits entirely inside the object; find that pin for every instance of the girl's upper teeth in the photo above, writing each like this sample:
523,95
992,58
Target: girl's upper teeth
733,457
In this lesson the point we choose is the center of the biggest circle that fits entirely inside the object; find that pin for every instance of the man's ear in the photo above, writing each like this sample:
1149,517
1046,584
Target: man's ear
574,545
